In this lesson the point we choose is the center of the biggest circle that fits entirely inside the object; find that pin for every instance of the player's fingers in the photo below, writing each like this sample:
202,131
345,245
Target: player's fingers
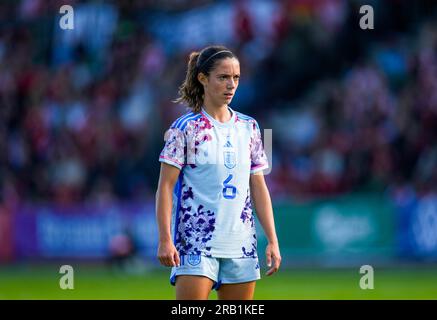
272,270
269,263
171,260
162,260
269,259
158,256
176,259
276,263
166,260
275,267
279,261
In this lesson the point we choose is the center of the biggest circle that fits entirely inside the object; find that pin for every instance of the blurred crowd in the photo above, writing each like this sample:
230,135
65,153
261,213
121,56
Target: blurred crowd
83,112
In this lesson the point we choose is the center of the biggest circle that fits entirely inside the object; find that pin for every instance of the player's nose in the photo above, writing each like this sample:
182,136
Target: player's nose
231,84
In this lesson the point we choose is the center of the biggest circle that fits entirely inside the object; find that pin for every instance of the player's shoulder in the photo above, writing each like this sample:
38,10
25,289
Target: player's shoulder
182,121
241,117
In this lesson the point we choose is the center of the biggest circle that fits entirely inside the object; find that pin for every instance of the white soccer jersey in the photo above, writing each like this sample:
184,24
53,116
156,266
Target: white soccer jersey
212,208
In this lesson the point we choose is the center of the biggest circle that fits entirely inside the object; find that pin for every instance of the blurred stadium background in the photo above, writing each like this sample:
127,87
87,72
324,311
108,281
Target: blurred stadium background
353,113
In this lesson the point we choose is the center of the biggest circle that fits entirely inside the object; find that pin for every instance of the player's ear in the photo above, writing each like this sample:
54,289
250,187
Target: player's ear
202,78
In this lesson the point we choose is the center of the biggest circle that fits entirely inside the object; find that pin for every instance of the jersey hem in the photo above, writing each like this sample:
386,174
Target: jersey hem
258,169
170,162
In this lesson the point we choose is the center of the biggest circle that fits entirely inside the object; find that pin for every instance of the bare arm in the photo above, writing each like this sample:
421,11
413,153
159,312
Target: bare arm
167,253
263,206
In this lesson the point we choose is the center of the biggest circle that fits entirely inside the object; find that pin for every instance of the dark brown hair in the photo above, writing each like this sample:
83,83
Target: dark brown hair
191,91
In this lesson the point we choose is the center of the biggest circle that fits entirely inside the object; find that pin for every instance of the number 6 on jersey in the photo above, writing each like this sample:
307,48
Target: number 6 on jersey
227,186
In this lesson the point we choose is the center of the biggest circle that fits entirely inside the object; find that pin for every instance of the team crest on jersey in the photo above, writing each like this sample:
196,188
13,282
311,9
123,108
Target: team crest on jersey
194,259
229,159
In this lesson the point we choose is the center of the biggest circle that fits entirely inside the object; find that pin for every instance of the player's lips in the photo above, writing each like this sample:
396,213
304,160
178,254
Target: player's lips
229,95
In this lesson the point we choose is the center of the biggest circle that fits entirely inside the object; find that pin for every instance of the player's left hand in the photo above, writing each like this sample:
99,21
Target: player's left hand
273,256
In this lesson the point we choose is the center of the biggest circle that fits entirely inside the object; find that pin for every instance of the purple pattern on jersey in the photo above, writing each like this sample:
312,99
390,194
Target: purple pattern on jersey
174,148
197,133
258,156
182,145
252,252
247,214
195,227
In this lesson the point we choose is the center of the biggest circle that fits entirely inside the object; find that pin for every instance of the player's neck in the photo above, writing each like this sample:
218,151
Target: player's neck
219,113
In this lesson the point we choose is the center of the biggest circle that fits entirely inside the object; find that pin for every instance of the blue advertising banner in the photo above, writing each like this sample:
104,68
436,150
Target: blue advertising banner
417,227
340,231
83,231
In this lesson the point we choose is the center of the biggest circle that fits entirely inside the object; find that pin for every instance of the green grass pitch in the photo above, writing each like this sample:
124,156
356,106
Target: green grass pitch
99,282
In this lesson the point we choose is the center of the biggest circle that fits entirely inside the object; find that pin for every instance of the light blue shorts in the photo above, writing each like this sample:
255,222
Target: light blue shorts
220,270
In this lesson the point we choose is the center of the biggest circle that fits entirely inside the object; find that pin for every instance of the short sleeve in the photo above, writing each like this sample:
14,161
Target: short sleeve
174,149
257,155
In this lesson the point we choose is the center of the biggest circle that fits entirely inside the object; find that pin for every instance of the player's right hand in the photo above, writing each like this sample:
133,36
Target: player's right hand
168,255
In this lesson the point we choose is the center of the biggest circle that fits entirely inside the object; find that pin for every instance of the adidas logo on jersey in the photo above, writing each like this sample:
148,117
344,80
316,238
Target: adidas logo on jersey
228,145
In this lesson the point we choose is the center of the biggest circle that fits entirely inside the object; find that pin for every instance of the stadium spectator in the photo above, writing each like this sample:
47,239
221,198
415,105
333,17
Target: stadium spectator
80,122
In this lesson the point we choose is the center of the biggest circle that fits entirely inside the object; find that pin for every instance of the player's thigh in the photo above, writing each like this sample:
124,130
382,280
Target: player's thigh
189,287
237,291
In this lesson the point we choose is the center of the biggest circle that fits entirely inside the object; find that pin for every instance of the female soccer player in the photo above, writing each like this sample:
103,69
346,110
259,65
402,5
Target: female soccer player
213,160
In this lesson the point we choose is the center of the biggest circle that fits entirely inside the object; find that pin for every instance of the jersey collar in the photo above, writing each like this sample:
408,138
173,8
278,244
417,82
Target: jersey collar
228,123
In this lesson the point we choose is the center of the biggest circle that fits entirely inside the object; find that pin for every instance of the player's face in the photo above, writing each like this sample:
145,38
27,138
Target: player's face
222,82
